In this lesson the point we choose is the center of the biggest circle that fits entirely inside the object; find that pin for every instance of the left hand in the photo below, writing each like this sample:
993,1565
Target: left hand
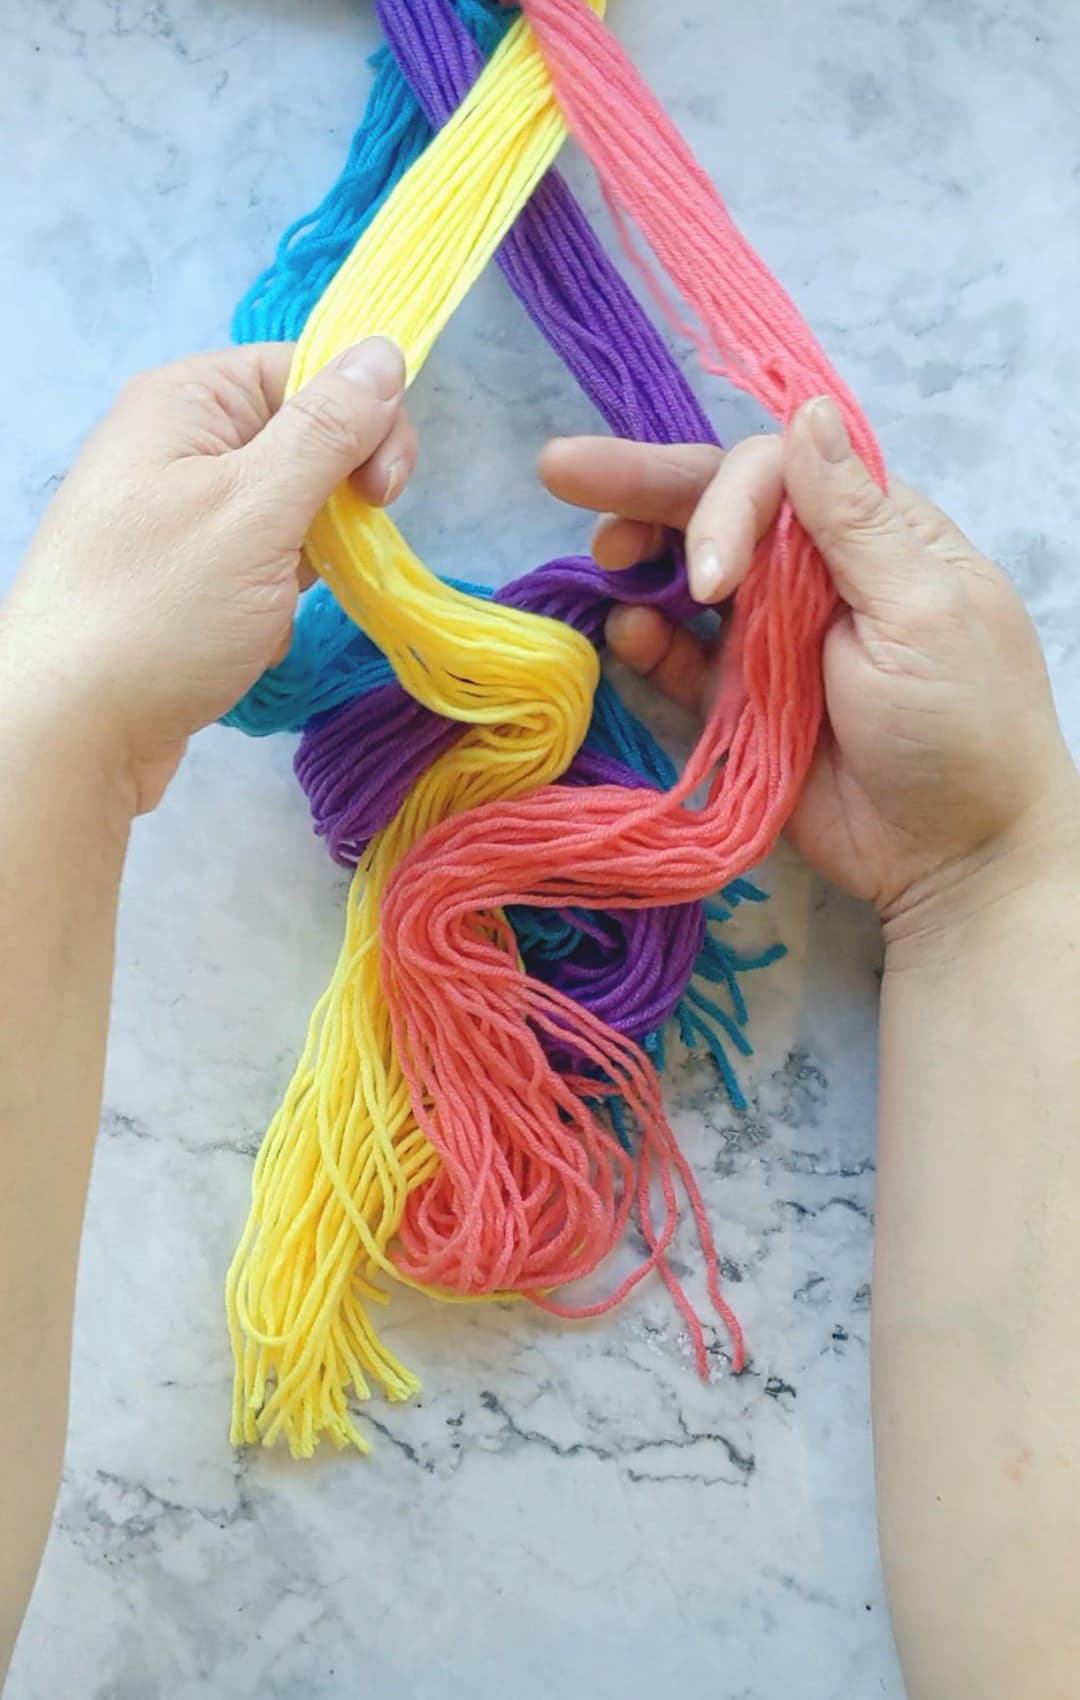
166,573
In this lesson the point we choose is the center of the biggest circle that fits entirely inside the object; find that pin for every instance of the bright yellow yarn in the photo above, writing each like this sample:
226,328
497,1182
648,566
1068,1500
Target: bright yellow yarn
416,263
344,1150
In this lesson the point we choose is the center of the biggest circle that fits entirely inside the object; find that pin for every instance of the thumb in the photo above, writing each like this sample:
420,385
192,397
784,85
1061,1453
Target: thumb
878,564
328,429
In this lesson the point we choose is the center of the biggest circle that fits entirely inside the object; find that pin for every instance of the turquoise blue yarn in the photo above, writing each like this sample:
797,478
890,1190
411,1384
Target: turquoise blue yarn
392,135
616,731
329,662
702,1022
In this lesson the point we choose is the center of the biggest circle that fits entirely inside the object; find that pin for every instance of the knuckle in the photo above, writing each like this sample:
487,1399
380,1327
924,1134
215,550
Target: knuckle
763,453
859,516
861,506
929,612
675,479
690,463
324,416
930,525
934,529
140,388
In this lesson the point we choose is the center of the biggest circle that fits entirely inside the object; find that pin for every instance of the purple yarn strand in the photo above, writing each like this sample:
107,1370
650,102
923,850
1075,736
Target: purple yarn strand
553,259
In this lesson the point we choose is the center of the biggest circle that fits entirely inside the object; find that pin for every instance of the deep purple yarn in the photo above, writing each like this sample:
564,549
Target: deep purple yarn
358,764
552,258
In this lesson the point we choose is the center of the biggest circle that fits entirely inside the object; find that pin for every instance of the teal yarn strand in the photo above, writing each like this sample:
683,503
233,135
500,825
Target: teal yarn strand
329,661
616,731
392,135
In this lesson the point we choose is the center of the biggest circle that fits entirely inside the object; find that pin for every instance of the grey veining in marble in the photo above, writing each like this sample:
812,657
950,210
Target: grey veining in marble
564,1512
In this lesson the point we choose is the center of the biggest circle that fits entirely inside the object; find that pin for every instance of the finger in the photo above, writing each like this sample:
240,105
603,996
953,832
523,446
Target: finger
670,657
621,543
271,363
880,567
381,480
643,481
328,429
733,515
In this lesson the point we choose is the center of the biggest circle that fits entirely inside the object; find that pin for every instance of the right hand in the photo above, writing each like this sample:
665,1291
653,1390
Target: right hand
942,750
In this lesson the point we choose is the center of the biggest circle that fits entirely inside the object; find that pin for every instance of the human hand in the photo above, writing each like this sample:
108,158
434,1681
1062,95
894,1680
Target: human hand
165,575
942,751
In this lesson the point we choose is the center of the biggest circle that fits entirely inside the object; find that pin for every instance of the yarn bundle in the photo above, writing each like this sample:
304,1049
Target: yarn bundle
477,1110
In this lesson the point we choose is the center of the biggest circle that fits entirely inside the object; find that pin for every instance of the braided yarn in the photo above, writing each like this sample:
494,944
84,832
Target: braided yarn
475,1112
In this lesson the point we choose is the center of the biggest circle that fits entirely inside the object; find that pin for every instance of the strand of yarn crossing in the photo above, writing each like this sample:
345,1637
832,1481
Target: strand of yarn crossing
428,243
632,967
330,660
566,281
552,258
356,766
569,286
467,1021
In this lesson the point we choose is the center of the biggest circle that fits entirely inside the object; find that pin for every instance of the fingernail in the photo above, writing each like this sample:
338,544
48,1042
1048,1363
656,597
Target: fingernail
395,482
707,572
827,429
376,365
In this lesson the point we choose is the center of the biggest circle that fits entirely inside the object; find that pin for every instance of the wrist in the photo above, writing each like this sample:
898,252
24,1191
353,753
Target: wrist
56,724
999,889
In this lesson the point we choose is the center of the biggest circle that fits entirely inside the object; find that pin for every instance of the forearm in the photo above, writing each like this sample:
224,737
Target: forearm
976,1354
64,820
162,582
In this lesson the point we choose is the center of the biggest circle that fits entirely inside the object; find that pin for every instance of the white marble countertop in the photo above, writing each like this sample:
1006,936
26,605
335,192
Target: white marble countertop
563,1513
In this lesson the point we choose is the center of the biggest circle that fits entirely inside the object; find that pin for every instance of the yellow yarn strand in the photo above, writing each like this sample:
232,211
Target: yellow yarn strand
344,1150
423,252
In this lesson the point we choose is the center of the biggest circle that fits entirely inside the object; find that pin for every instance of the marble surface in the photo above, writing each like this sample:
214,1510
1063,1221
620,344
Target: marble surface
563,1512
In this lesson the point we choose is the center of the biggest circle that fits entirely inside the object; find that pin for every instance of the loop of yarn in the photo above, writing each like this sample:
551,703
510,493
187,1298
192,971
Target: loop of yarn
633,968
365,792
